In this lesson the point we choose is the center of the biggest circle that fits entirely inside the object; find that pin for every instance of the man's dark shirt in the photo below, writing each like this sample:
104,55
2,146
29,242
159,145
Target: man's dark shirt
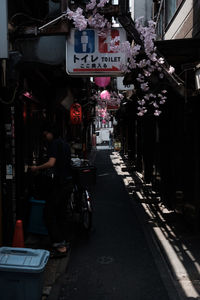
60,150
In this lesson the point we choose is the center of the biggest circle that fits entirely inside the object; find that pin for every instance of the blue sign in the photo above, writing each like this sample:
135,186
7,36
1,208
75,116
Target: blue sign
84,41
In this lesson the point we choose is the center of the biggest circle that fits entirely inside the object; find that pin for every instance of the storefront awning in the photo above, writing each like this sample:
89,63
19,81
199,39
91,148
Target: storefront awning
180,51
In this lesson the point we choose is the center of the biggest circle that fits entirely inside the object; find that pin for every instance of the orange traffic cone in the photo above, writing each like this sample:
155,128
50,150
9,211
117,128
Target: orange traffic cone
18,238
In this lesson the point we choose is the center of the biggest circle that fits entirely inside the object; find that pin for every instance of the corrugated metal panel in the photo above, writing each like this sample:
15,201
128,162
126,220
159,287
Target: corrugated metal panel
46,49
3,29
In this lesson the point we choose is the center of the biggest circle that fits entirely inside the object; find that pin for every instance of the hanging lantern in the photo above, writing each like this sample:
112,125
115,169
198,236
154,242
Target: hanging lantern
102,81
76,114
105,95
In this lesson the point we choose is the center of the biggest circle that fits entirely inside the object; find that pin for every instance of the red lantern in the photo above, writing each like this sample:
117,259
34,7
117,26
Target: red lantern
76,114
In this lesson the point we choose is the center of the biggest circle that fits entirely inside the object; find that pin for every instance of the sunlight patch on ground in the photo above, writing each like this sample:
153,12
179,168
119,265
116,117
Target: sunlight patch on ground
104,174
165,234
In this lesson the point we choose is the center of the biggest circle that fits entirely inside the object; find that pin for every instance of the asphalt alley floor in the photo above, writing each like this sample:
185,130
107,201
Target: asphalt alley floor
115,261
174,246
165,230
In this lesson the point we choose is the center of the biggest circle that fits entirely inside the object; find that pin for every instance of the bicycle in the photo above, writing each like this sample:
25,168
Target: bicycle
80,200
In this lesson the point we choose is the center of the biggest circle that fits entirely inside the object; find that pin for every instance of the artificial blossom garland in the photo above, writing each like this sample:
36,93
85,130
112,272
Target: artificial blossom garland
111,99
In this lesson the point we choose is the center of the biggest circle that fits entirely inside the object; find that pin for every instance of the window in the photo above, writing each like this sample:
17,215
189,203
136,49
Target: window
160,26
170,9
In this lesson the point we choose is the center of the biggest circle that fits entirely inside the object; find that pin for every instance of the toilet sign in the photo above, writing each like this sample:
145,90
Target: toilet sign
89,54
84,41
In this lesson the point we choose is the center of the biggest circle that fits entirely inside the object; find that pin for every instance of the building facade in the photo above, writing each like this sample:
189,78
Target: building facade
34,90
178,28
166,149
178,19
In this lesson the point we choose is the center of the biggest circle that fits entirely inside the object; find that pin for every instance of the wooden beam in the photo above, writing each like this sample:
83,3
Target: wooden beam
129,25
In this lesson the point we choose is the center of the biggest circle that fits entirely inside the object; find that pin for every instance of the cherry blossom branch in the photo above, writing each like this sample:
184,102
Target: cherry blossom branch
145,65
143,60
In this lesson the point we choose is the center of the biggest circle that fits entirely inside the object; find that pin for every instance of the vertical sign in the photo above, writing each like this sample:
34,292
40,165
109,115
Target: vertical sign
3,29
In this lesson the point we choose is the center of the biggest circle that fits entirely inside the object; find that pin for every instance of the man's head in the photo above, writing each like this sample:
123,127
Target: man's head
50,133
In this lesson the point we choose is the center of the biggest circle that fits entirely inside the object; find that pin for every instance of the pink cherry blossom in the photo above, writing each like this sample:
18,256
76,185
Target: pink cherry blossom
146,97
152,95
161,60
162,101
157,112
91,5
80,21
102,3
155,105
171,70
144,86
141,102
142,111
161,75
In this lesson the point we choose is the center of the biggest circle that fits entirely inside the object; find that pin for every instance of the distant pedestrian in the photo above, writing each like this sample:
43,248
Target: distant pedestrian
110,139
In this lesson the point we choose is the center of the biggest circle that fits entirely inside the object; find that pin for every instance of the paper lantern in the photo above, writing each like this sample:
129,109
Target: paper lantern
102,81
105,95
76,114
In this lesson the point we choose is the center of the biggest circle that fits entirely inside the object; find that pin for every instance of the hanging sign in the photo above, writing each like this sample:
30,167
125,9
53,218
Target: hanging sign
76,114
122,87
90,54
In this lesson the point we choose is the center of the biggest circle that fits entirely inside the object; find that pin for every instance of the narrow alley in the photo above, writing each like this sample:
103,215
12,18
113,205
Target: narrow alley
105,91
115,262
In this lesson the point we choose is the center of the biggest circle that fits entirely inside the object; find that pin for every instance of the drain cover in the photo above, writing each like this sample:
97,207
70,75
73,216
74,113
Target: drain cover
105,260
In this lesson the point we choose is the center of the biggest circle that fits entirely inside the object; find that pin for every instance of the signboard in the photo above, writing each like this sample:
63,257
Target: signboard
90,54
122,87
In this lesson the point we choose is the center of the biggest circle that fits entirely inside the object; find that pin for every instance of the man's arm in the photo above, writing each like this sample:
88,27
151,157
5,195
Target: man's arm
49,164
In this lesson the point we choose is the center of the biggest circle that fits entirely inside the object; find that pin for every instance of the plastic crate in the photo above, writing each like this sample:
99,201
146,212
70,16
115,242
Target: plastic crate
84,176
21,273
36,218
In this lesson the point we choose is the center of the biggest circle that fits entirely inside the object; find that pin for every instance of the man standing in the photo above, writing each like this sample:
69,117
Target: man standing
57,193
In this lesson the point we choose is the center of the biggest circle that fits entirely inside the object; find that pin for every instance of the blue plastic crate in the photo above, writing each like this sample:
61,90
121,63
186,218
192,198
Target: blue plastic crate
21,273
36,218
